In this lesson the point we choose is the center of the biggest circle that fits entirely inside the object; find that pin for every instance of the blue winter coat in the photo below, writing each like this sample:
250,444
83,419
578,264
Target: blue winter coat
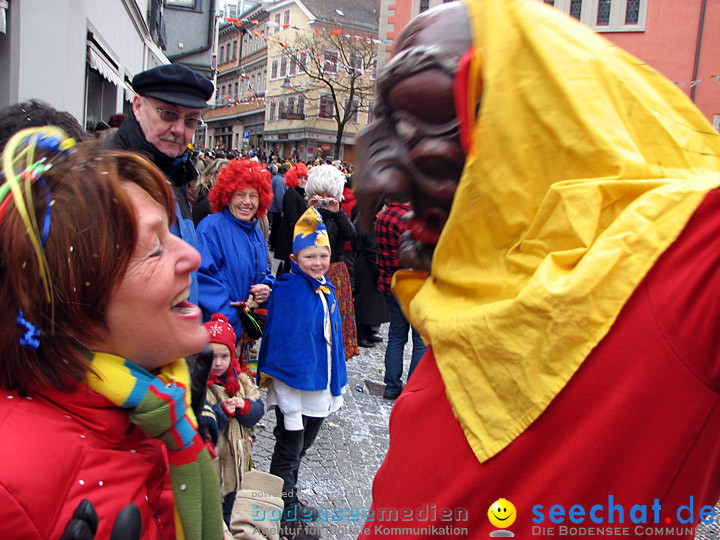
234,257
293,348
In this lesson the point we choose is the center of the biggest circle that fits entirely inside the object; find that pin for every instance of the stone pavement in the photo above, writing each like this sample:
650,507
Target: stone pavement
338,470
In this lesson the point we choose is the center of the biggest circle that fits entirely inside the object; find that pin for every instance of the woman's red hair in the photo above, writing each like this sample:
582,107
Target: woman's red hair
291,177
237,175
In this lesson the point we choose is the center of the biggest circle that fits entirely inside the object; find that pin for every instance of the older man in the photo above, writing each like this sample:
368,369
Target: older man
165,113
565,221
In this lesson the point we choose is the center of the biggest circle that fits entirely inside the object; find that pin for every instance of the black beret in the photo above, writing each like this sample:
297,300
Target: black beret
174,84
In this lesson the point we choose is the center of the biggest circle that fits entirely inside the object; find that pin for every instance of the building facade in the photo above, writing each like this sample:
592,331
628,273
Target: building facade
310,80
676,38
236,120
97,47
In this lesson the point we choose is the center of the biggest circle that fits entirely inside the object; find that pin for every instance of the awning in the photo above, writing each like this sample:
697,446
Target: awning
99,63
129,92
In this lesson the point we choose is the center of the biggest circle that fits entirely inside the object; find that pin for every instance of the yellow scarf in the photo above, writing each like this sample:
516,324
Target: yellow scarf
586,165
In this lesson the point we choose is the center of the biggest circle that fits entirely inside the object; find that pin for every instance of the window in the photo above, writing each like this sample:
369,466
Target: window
281,108
373,68
272,110
603,14
234,49
286,16
302,62
236,90
424,5
283,66
327,106
274,69
301,105
277,21
351,109
632,12
293,67
222,53
356,63
576,8
291,105
331,58
606,15
100,98
371,103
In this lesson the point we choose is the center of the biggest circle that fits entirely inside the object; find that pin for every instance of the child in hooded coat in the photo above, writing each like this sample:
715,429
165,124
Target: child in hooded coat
233,401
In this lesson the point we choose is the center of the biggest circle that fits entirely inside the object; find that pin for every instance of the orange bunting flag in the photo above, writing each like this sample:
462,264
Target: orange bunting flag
286,26
257,34
238,23
232,19
316,30
255,21
336,32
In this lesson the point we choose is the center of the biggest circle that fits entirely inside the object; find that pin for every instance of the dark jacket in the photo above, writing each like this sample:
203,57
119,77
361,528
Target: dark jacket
294,204
340,230
370,306
180,171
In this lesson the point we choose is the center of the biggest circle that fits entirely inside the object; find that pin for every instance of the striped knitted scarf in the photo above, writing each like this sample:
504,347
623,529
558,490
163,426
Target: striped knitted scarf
160,406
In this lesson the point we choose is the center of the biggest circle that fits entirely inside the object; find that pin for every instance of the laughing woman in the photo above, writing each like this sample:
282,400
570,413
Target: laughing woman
233,248
93,401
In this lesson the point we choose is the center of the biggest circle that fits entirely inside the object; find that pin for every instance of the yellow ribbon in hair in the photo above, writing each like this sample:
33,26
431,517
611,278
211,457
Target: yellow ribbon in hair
585,166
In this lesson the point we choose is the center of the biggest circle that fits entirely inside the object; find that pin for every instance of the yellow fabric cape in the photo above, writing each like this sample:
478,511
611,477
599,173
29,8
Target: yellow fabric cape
585,166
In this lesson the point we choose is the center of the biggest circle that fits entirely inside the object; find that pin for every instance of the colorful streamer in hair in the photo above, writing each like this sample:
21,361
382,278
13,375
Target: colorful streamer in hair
22,165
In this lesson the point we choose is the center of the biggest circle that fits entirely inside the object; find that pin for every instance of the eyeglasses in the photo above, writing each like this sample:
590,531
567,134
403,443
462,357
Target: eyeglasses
191,122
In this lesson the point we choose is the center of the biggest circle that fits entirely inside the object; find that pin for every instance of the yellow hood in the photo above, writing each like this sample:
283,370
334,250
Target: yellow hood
585,166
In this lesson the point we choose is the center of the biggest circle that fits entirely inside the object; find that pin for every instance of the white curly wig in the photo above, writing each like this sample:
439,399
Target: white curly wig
325,179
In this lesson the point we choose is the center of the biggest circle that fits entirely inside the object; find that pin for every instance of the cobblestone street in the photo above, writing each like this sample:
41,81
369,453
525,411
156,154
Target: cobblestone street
337,472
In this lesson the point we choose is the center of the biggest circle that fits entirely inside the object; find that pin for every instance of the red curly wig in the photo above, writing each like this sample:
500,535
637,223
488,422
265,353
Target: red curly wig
237,175
292,175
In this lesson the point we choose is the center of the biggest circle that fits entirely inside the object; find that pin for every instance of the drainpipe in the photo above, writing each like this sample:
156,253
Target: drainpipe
697,50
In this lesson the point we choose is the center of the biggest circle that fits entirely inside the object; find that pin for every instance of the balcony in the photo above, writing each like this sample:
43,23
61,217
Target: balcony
292,116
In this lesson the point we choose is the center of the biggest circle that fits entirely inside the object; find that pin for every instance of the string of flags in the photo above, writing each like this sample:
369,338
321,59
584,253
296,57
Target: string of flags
716,78
336,31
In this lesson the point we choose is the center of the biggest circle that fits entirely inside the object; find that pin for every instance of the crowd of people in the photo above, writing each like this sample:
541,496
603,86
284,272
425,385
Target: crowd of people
554,266
115,308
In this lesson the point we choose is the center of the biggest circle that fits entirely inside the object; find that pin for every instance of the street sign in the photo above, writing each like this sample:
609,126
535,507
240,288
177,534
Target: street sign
310,150
246,135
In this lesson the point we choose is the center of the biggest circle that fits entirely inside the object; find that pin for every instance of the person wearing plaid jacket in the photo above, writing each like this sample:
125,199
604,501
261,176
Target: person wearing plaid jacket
388,228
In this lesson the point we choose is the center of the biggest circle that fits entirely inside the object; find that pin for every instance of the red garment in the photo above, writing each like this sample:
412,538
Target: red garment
388,228
59,448
639,421
347,204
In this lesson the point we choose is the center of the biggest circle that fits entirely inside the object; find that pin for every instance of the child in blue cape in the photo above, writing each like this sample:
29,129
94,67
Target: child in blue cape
302,360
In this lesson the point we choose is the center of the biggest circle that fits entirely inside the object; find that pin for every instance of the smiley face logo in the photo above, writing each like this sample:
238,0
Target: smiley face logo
502,513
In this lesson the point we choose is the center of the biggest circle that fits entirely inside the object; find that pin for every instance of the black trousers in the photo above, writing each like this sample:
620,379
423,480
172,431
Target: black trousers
275,218
290,448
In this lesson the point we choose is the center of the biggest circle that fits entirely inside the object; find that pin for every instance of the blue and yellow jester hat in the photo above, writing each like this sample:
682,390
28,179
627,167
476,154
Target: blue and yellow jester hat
310,231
